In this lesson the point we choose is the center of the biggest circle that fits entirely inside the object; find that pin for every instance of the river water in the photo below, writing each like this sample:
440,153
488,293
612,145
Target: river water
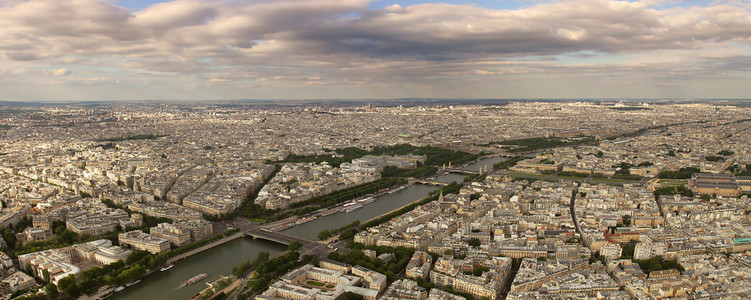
220,260
214,262
384,203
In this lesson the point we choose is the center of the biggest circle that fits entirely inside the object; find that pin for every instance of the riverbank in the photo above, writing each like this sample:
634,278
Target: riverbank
219,242
222,241
331,210
215,262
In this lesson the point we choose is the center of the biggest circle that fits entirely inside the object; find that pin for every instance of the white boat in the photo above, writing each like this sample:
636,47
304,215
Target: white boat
132,283
119,288
352,208
366,201
396,190
166,268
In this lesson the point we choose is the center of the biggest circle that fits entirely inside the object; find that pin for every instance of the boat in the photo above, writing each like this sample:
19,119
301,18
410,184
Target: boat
132,283
306,220
196,278
396,190
352,208
195,296
166,268
282,227
106,295
329,212
119,288
366,201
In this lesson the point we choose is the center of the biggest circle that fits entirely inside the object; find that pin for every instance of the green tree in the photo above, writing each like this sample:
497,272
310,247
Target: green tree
294,246
51,290
158,260
136,256
474,242
68,237
68,286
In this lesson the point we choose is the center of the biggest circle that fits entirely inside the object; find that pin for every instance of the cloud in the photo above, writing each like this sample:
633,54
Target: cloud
61,72
343,42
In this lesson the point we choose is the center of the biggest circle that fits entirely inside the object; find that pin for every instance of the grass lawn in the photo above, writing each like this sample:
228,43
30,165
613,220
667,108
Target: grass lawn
329,286
672,182
527,174
615,180
570,178
316,283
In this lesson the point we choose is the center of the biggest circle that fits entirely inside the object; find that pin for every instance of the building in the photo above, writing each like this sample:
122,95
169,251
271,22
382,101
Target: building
437,294
611,251
719,184
199,229
101,251
143,241
55,262
173,233
5,261
647,250
405,289
372,279
36,234
19,281
419,265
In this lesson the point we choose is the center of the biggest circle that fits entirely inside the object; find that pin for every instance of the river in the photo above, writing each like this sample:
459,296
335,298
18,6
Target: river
214,262
384,203
220,260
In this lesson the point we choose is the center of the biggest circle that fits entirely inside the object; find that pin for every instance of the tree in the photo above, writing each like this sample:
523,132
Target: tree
294,246
310,259
68,286
46,275
158,260
68,237
136,256
9,237
474,242
51,290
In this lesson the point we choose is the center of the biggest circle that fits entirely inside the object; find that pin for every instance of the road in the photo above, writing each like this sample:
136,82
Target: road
572,210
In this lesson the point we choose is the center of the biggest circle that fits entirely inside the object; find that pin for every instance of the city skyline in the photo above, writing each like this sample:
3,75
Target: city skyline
210,50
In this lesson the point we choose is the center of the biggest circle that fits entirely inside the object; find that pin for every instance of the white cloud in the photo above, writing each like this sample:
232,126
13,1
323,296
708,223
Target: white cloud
344,44
62,72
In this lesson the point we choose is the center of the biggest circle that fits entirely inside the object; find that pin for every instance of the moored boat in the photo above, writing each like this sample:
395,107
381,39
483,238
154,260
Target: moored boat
166,268
305,220
329,212
132,283
352,208
366,201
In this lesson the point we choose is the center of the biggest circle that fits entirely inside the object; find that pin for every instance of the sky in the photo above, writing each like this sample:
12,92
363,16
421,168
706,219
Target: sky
82,50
